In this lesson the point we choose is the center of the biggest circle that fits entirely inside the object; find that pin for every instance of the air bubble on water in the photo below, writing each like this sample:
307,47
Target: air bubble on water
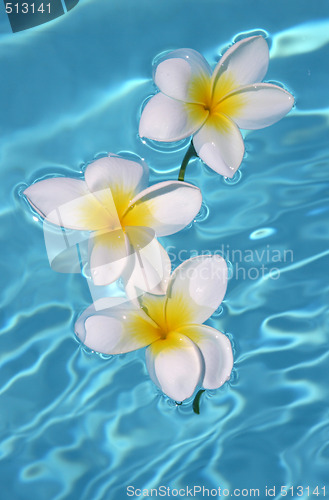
261,233
120,284
275,82
219,311
233,180
159,58
230,269
250,33
129,155
234,377
142,106
86,271
165,147
100,155
105,356
203,213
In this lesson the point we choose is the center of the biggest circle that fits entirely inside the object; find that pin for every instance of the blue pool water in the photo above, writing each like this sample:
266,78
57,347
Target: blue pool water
76,425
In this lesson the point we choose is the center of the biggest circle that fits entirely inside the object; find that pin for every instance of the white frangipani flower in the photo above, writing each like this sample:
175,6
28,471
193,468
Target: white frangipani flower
181,353
213,106
122,216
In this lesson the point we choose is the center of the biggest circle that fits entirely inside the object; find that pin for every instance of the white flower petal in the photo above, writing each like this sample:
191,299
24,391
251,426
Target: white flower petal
101,306
258,106
139,237
175,365
166,207
68,203
195,290
149,266
117,329
165,119
217,353
67,250
180,71
115,180
108,257
244,63
220,145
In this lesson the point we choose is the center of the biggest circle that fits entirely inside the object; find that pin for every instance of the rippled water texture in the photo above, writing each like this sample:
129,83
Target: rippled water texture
75,425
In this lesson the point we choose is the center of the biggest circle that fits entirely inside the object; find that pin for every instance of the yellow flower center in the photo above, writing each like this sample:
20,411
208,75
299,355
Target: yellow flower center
109,209
208,100
168,318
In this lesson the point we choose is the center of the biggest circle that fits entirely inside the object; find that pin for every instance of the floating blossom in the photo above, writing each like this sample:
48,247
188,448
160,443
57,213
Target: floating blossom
123,218
213,106
181,353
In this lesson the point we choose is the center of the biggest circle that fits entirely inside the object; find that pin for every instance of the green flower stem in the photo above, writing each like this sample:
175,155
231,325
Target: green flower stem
196,402
190,153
